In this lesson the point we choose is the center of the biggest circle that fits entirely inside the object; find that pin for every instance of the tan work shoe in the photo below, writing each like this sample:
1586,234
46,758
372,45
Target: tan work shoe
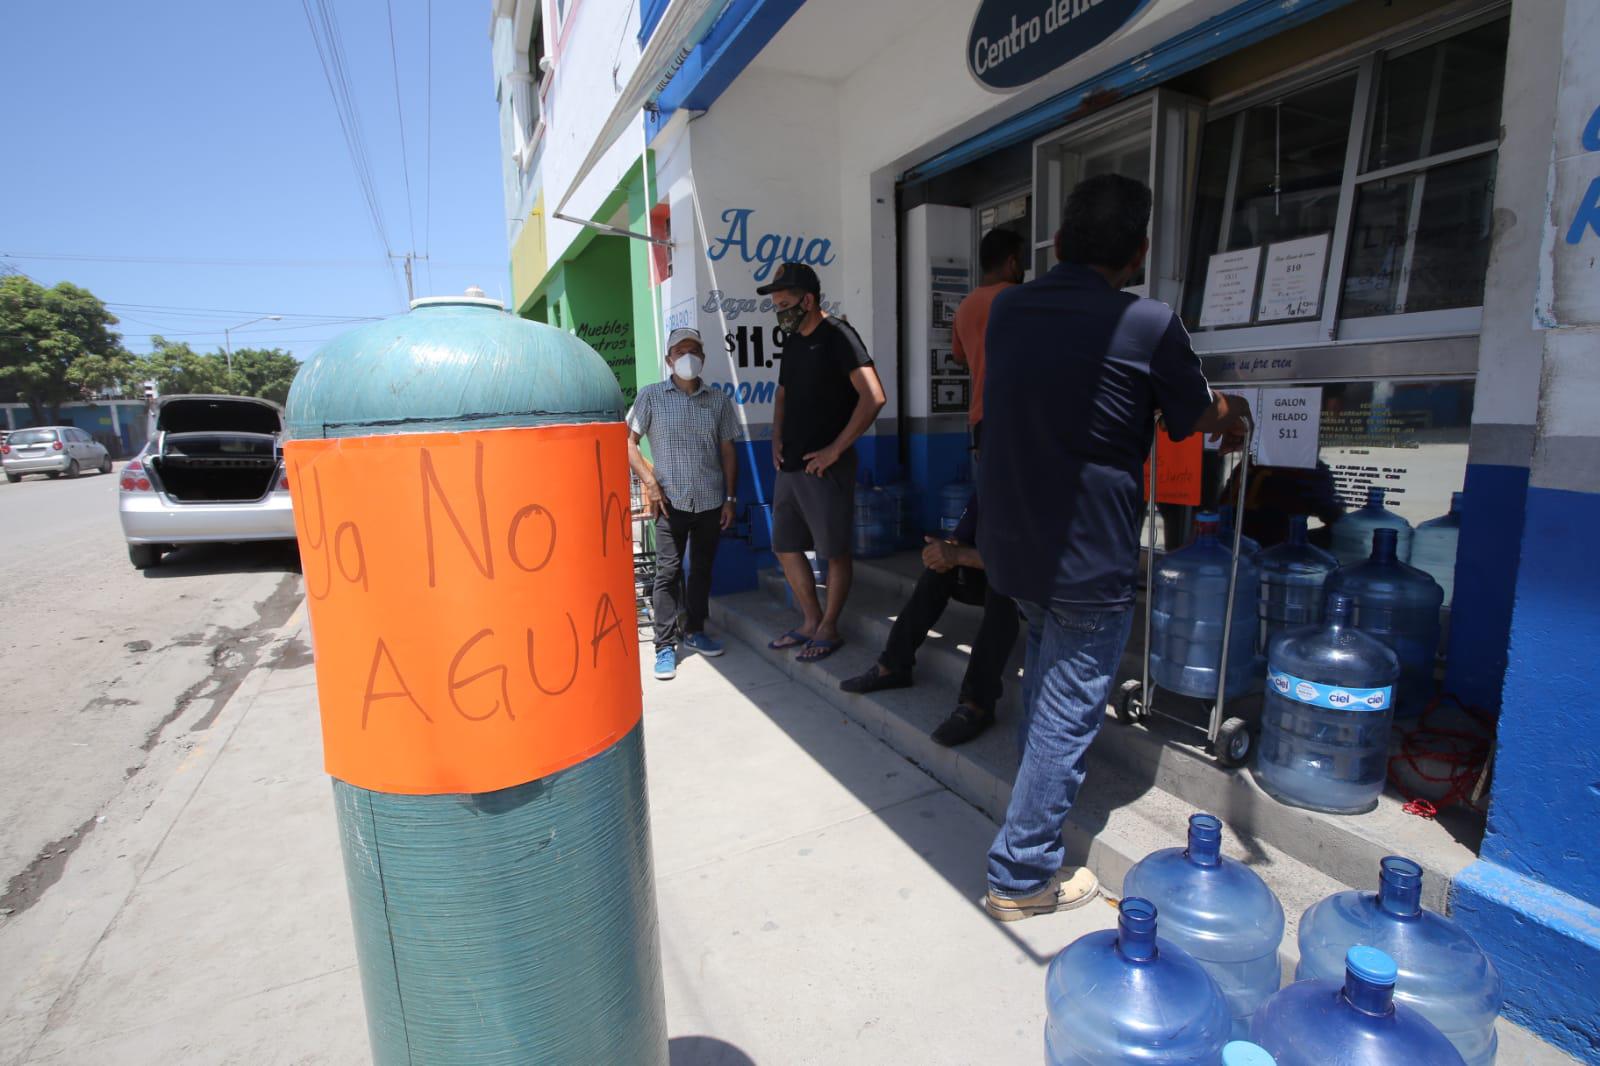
1062,894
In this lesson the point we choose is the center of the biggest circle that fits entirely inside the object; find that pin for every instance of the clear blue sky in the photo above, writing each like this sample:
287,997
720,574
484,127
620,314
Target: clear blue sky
190,130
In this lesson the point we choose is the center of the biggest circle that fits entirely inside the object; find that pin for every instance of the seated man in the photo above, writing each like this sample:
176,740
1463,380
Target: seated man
953,570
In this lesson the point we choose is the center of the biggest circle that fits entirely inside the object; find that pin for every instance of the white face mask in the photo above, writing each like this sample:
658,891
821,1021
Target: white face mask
687,366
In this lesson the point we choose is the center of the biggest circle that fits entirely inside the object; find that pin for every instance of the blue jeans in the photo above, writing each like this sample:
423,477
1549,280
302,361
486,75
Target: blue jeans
1072,658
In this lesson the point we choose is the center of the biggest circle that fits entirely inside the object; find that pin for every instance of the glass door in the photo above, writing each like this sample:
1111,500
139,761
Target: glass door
1152,139
1013,211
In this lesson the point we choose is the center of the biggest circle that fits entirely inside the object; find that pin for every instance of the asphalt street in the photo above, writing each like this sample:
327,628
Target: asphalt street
102,663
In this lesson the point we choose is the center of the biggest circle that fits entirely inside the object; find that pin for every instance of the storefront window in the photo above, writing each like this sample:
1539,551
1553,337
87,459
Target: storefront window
1439,99
1284,162
1320,214
1421,242
1291,165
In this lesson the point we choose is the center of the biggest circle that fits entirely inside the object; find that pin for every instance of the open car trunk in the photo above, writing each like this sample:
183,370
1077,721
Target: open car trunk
216,449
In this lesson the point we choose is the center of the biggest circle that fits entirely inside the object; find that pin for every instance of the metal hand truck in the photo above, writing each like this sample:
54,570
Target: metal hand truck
644,556
1230,739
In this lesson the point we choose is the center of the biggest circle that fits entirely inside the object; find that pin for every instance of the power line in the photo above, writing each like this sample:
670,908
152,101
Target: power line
201,311
326,37
400,115
259,332
292,264
427,207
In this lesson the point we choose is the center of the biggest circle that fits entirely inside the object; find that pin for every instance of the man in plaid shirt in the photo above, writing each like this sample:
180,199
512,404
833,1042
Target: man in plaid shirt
689,489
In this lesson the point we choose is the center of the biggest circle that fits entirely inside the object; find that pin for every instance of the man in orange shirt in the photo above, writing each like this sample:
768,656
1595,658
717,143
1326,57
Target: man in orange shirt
1000,256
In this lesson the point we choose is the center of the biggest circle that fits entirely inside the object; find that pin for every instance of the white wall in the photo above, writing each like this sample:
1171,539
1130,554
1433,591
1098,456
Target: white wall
935,235
594,55
752,182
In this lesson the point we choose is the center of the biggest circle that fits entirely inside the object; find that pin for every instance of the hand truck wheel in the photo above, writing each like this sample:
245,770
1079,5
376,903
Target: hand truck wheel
1234,743
1130,702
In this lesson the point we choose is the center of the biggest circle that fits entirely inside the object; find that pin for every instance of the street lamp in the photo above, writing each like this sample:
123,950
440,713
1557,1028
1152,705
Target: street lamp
227,341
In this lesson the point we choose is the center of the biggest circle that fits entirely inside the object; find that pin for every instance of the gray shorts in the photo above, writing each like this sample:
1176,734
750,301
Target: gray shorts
812,513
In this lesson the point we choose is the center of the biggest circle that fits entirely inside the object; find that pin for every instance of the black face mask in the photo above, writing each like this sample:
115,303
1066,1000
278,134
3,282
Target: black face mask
789,320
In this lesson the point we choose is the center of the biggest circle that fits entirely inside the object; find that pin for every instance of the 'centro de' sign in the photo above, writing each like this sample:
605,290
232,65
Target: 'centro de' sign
1014,42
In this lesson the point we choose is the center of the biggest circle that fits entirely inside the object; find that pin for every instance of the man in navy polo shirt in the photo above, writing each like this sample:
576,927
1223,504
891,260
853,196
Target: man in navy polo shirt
1078,370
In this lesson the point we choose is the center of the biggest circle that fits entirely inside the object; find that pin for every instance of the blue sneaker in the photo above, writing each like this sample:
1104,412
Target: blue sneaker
703,644
666,664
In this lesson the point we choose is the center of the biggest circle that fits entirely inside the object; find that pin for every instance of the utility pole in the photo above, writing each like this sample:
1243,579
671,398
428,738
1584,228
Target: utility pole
409,258
227,338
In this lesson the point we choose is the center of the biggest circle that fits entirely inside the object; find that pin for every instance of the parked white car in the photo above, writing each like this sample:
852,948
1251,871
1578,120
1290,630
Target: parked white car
53,451
212,472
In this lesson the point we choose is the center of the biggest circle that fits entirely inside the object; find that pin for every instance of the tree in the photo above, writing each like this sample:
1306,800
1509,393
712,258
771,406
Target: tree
43,333
178,368
264,372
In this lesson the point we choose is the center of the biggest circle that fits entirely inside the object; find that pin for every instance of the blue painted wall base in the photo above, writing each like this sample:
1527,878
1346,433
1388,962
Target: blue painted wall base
1546,945
936,459
746,549
1494,505
1533,901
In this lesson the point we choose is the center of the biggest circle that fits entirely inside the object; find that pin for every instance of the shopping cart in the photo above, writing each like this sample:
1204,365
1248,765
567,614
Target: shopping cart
1229,739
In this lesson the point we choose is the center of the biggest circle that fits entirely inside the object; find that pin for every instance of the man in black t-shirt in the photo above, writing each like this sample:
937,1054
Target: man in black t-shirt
828,395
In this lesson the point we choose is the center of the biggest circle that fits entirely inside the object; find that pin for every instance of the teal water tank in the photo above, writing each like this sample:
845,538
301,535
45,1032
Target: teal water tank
517,923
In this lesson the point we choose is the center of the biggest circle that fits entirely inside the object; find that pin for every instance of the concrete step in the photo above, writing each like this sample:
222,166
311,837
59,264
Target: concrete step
1117,820
1143,782
1166,756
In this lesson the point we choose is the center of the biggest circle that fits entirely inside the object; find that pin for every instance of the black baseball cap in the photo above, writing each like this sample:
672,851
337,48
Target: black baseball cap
793,276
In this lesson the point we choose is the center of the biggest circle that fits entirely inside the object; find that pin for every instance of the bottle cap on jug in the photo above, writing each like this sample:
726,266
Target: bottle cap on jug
1371,965
1244,1053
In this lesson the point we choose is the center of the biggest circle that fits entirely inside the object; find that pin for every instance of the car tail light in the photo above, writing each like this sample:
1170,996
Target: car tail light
134,479
56,446
283,482
5,449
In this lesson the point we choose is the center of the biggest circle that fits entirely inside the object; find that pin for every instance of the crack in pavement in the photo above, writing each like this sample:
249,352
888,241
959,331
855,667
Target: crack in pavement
233,655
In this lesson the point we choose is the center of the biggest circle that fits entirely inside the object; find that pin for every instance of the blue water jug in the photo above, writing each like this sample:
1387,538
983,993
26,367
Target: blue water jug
1249,547
1433,547
1444,975
1244,1053
953,500
1399,605
902,530
1352,534
1189,603
1353,1023
1292,578
1122,995
1327,714
1219,911
871,536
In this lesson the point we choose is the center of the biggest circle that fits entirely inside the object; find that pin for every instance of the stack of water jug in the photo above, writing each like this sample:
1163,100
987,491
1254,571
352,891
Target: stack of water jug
875,519
1349,641
1192,970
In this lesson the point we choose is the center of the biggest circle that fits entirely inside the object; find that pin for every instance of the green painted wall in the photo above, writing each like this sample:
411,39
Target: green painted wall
647,348
599,306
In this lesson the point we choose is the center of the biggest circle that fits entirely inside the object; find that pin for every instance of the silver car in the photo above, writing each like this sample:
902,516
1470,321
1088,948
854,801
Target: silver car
53,451
212,472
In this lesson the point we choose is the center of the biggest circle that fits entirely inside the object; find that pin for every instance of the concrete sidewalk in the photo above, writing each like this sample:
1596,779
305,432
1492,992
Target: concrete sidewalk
817,896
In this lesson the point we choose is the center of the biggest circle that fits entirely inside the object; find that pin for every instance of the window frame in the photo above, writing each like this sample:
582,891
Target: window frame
1365,61
1172,125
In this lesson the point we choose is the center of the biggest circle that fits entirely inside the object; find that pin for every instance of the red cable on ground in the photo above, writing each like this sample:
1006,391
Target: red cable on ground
1464,753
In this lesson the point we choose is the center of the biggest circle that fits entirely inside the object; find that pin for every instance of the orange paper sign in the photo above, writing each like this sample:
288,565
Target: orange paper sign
471,603
1177,469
